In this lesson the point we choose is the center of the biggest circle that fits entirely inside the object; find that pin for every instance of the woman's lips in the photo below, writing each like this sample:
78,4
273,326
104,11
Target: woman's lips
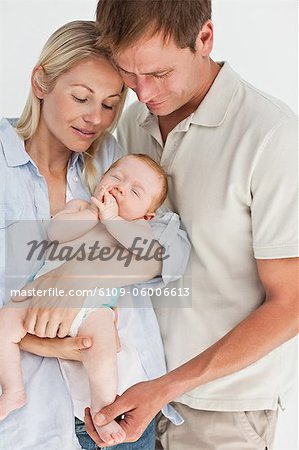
84,133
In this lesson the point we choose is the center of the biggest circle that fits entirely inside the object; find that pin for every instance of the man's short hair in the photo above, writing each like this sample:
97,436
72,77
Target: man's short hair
122,23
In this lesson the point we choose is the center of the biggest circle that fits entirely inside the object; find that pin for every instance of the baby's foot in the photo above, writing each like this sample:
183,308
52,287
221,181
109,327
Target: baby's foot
9,401
112,433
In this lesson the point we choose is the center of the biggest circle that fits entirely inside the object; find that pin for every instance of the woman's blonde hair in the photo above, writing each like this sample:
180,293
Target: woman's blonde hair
68,46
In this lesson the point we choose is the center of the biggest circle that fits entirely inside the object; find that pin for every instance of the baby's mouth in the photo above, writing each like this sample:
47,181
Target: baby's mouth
113,195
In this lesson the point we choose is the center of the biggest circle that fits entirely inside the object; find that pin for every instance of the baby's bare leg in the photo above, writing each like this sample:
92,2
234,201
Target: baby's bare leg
11,381
101,366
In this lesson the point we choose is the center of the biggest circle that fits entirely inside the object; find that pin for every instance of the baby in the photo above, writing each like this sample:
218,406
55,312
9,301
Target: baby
125,199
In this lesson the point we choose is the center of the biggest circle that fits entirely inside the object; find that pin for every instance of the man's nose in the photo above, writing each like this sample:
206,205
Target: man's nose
146,89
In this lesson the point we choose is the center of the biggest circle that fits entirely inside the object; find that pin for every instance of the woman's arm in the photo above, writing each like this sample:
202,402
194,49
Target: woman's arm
65,288
51,313
74,221
63,348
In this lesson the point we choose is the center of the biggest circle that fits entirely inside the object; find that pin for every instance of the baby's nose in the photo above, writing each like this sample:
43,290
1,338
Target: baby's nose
120,188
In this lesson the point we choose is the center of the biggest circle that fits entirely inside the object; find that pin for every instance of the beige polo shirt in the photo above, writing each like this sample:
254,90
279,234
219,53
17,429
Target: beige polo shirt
232,172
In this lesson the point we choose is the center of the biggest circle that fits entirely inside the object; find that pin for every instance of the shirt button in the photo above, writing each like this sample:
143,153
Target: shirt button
75,178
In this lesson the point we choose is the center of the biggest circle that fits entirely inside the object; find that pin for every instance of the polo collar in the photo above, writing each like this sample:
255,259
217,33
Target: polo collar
212,110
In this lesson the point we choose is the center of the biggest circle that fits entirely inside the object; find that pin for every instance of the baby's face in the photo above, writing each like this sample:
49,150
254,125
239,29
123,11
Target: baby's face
134,185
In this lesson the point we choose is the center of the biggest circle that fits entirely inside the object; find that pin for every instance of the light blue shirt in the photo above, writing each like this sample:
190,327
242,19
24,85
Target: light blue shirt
46,421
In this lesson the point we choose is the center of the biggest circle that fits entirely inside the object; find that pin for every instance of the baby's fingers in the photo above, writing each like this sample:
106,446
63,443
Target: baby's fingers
99,193
96,202
108,198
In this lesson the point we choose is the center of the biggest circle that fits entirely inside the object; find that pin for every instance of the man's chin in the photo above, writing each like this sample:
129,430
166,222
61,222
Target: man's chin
160,109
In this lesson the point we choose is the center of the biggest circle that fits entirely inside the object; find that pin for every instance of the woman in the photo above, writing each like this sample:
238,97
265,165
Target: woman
60,146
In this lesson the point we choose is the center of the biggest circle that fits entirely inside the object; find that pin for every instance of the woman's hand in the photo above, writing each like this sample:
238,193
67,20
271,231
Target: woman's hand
66,348
49,321
52,309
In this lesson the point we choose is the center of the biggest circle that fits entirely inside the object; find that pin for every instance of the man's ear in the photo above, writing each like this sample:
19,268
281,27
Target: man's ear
205,39
149,216
36,81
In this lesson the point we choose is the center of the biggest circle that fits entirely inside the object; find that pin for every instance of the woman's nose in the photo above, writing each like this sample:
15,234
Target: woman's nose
93,116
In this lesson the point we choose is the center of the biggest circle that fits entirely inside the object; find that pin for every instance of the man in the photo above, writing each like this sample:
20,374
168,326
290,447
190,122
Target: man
230,155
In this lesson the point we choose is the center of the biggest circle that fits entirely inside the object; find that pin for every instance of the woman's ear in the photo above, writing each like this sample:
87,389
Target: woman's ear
36,81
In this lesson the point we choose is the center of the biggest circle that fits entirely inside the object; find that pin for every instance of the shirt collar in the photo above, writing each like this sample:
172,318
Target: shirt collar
13,146
212,110
14,149
75,157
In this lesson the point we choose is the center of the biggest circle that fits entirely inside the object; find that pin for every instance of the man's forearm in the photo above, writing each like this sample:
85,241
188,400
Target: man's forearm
272,324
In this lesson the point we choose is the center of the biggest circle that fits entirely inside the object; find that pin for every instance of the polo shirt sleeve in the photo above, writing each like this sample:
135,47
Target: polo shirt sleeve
274,193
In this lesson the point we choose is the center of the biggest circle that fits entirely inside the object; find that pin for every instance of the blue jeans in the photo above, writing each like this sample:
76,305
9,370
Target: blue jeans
145,442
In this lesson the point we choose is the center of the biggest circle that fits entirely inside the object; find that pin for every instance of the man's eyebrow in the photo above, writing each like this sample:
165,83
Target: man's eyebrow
155,72
92,91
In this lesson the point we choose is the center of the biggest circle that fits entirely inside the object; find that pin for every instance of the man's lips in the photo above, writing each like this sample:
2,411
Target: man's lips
155,103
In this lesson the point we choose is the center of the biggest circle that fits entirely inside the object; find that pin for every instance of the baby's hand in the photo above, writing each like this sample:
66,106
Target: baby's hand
107,205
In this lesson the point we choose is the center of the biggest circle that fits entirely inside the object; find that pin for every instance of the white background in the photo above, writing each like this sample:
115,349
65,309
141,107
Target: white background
257,37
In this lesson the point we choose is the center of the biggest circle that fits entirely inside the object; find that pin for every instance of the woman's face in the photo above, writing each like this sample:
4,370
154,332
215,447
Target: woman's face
82,105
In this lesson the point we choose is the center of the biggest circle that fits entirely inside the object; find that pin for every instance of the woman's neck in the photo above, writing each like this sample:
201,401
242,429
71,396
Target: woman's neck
47,152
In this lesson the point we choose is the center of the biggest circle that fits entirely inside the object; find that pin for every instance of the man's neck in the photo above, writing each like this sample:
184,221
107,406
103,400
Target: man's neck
169,122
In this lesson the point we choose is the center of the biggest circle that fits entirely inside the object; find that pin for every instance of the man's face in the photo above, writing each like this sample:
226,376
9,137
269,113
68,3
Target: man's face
163,76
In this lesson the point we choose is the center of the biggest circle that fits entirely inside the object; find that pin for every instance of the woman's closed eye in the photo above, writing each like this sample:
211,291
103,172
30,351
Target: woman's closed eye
107,106
84,100
79,100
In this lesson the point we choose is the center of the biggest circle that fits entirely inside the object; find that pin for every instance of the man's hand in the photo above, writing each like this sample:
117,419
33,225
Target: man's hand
139,405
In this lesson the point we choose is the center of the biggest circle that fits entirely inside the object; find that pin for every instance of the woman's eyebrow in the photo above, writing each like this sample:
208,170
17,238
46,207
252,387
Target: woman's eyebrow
84,85
92,91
